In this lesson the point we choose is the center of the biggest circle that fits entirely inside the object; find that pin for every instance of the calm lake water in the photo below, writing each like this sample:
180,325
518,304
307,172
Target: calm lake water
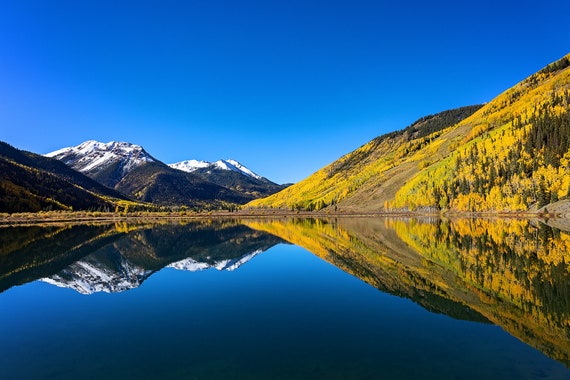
286,299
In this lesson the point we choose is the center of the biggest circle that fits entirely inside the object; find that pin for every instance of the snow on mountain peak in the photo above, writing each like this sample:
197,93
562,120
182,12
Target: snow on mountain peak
231,165
190,165
236,166
93,154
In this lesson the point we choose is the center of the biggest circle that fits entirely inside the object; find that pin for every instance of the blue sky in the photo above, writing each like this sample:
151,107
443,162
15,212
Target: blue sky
285,87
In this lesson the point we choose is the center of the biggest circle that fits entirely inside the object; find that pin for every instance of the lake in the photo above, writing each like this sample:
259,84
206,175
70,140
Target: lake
291,298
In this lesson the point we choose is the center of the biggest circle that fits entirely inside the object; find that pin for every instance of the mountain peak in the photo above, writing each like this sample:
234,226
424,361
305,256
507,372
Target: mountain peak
233,165
93,155
190,165
229,164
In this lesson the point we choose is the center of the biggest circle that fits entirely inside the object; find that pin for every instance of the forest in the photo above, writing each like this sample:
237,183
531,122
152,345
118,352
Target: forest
516,157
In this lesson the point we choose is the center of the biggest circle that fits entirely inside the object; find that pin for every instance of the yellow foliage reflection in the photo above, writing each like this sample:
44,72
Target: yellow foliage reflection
514,273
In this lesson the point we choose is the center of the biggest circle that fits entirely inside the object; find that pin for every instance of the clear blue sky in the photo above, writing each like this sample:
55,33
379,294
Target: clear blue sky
285,87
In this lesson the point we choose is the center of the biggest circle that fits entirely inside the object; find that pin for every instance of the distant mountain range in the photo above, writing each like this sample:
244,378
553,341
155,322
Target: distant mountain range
509,155
129,169
98,176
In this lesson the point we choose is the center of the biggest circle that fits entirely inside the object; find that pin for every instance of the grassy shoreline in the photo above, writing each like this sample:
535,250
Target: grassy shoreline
110,217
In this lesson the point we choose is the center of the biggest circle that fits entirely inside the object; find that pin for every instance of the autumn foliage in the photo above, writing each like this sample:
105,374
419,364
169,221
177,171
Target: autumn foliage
510,155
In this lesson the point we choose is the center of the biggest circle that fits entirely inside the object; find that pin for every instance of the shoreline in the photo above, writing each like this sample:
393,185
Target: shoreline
146,217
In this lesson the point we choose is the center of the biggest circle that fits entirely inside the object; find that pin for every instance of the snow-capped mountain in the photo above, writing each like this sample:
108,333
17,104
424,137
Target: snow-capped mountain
190,165
231,165
129,169
108,161
93,154
232,175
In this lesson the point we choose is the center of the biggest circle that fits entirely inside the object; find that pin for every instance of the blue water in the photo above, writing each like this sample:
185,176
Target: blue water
285,314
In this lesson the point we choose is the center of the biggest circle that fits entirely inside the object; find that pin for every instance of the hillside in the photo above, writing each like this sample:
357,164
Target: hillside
370,175
30,182
512,154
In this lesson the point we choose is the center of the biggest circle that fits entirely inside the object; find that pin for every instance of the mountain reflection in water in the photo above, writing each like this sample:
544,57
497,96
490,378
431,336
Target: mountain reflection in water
512,273
118,257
